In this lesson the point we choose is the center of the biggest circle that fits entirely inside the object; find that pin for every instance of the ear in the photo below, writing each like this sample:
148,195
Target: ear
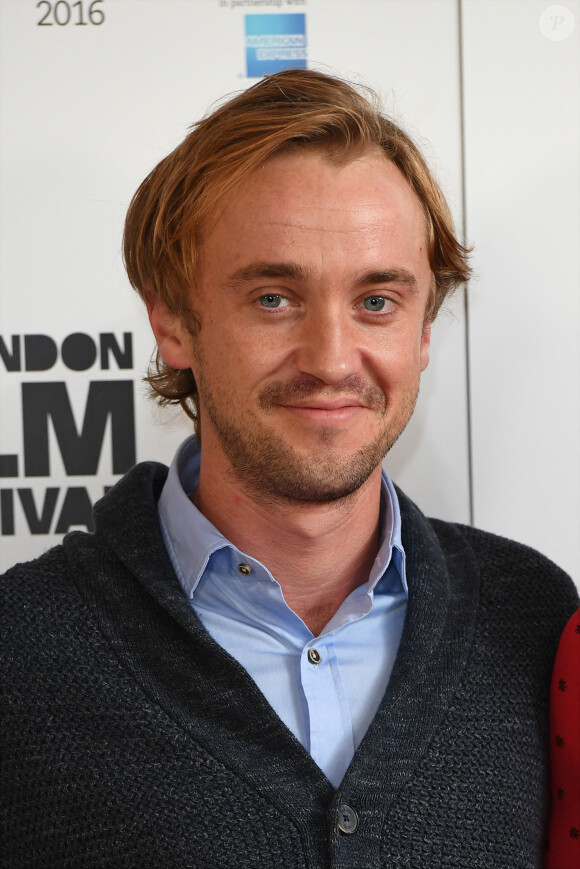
425,344
172,338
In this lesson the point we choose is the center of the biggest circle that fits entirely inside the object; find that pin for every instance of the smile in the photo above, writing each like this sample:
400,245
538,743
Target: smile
325,413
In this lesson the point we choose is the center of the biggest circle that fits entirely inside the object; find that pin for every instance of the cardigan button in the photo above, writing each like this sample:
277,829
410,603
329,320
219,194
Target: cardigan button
347,819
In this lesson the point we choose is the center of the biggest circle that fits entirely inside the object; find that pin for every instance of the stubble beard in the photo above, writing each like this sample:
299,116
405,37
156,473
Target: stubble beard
273,470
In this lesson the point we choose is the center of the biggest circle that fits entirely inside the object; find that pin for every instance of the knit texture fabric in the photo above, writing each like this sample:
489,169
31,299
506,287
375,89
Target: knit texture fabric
131,739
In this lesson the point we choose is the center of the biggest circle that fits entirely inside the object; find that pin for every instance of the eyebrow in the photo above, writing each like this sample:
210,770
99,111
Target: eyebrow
389,276
258,270
294,271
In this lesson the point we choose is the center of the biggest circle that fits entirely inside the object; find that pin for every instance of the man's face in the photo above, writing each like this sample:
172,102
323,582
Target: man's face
311,302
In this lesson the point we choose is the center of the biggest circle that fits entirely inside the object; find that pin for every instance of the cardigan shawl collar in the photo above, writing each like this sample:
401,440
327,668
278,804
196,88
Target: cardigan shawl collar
124,568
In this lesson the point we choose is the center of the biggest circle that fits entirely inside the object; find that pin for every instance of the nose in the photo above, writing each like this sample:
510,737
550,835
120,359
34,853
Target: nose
327,347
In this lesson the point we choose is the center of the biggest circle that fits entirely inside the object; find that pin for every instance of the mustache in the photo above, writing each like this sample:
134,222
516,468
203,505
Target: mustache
305,387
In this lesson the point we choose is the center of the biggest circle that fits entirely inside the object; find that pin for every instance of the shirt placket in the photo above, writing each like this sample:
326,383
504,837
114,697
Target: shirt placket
330,726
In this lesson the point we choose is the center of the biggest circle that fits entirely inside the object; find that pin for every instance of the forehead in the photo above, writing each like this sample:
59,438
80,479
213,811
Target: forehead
303,204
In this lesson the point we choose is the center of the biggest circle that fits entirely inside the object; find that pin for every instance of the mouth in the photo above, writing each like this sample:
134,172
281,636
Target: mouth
304,399
326,412
325,403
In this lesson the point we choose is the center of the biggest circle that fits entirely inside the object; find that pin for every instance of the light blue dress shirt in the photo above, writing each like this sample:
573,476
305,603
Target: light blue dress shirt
327,688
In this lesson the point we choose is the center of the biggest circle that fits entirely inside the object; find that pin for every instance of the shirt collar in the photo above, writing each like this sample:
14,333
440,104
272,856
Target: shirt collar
191,539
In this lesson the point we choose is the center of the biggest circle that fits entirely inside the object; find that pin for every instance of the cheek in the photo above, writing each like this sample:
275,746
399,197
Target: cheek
399,353
257,352
227,362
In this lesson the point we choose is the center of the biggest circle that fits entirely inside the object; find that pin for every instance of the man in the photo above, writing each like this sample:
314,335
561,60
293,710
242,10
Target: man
268,657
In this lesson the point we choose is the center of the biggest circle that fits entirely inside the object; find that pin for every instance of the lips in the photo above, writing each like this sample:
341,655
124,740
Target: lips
324,415
306,395
330,406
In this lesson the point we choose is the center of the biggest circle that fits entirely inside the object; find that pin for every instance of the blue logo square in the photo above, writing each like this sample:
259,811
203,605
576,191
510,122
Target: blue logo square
274,43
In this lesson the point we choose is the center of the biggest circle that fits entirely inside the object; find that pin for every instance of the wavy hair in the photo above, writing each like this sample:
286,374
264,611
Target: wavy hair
184,192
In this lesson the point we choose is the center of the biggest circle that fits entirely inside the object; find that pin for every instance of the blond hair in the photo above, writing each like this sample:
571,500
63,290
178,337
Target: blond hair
183,194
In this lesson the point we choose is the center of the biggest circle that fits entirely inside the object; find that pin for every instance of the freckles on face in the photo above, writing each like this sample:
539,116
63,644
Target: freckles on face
332,221
298,191
313,288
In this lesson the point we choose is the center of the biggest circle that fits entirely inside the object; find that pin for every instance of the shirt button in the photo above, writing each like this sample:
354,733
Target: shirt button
347,819
314,656
245,569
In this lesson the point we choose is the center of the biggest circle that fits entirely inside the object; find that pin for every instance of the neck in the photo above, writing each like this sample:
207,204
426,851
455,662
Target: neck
318,552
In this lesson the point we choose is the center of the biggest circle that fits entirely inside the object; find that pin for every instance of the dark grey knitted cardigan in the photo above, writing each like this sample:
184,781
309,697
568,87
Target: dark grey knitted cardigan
130,739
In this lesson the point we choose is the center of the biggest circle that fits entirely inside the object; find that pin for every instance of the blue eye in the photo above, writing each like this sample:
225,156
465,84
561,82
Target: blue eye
271,300
374,303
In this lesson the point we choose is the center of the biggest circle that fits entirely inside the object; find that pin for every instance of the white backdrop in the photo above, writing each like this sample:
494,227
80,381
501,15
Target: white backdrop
92,95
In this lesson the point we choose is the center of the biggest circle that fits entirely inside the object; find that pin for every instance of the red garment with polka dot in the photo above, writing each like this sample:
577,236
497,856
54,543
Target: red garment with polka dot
564,830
